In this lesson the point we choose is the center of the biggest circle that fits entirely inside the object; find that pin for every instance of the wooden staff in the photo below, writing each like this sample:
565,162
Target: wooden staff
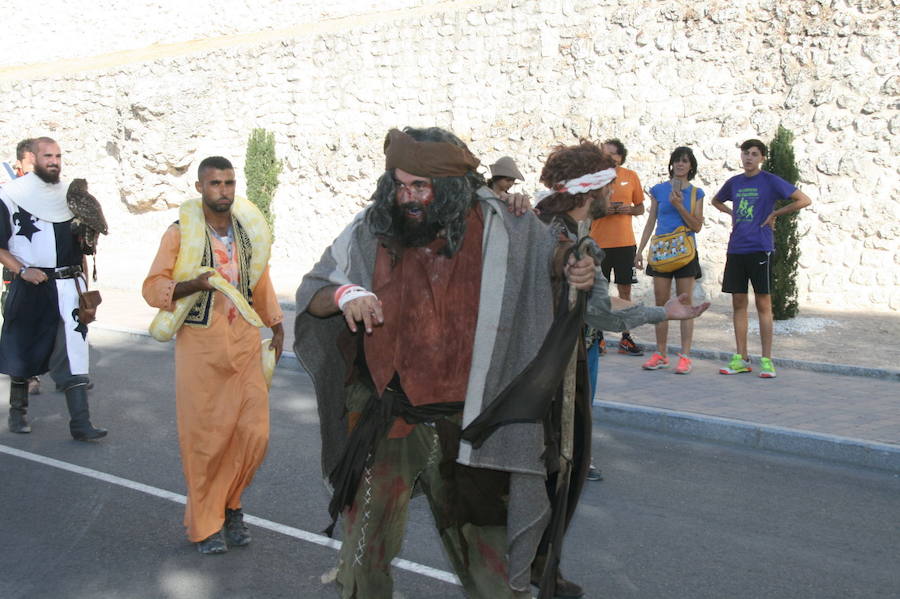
568,408
566,449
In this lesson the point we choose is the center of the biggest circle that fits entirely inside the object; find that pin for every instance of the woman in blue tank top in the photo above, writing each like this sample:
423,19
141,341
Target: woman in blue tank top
674,203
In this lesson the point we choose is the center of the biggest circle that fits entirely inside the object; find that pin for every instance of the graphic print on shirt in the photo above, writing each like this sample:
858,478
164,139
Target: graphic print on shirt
747,198
25,222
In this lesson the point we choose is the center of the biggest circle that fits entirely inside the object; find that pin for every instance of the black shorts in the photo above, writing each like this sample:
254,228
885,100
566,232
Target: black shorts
755,267
621,261
689,270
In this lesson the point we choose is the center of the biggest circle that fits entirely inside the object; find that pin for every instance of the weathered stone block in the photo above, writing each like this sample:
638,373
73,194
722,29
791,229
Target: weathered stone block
602,70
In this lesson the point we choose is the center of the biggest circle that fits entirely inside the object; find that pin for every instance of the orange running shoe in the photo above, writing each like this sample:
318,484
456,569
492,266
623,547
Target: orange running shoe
656,361
684,364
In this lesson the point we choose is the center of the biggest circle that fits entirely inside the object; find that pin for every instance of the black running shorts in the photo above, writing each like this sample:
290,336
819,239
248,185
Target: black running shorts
691,270
755,267
620,260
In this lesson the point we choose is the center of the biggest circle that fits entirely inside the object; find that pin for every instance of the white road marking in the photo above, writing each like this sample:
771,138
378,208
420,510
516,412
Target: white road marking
284,529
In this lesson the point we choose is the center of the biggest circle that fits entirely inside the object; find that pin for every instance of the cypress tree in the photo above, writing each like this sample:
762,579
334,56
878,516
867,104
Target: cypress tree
261,169
787,242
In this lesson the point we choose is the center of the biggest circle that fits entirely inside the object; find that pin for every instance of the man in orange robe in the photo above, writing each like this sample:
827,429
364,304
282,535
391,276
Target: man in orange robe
222,398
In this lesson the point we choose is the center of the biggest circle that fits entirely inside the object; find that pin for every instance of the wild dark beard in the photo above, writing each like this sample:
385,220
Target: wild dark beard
412,233
599,207
46,176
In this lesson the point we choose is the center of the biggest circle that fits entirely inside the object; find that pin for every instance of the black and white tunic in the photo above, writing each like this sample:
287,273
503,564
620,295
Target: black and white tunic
33,313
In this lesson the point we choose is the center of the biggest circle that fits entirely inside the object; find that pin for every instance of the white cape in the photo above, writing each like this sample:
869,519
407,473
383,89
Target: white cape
47,201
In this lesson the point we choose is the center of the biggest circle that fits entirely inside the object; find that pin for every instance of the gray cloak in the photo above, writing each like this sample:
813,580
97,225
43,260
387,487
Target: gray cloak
514,314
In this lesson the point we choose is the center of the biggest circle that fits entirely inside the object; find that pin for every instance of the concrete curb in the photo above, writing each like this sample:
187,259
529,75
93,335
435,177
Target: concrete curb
703,354
825,367
843,450
724,356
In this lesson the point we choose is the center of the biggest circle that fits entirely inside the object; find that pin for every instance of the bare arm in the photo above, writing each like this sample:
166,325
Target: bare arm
322,303
35,276
186,288
720,206
645,237
637,199
694,218
801,200
10,261
277,342
633,210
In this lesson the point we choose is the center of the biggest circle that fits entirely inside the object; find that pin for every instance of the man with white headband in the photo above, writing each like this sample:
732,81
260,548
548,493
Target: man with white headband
421,321
579,179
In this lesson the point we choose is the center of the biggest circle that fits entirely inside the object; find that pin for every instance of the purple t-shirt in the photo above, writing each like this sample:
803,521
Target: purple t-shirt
753,201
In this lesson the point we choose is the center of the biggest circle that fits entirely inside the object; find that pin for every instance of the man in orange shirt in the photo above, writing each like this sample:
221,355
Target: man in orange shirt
614,233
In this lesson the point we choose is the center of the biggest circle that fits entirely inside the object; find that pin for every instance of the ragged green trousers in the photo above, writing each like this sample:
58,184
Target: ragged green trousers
373,527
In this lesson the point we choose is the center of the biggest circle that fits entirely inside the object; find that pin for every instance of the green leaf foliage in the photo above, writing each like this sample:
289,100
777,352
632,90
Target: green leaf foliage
787,241
261,169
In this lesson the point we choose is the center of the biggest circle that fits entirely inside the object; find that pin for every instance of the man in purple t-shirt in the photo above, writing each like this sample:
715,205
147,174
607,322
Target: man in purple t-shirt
751,248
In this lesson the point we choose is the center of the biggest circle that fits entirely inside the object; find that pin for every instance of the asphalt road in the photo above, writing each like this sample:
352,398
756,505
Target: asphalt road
674,518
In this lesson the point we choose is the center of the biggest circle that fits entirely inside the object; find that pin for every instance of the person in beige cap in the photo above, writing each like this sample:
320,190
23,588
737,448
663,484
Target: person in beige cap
504,173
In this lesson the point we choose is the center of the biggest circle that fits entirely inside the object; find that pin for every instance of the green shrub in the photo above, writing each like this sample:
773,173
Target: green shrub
261,169
787,242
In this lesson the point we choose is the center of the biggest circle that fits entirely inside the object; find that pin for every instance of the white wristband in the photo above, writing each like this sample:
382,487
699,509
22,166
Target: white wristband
351,293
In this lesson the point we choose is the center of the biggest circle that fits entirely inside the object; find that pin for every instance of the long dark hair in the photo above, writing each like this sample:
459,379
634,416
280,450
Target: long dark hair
453,196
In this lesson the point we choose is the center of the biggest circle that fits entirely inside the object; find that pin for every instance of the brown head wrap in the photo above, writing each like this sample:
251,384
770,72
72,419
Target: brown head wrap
426,158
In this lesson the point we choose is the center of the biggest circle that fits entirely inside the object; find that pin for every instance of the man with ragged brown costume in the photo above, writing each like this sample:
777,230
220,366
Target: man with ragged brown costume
427,313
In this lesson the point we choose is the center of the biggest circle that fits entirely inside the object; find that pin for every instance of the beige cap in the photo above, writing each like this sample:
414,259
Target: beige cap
506,167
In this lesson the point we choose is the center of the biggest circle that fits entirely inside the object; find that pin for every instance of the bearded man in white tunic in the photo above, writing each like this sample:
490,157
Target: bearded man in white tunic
41,327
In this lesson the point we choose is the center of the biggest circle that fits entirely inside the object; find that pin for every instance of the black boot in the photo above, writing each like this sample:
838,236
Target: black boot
18,406
236,532
565,589
80,424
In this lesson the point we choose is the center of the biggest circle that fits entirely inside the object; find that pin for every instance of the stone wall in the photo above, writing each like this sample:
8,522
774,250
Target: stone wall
513,77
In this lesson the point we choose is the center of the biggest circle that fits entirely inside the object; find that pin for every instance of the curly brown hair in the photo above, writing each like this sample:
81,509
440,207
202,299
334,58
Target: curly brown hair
570,162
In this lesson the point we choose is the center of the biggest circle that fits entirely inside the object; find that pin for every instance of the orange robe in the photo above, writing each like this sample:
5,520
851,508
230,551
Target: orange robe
221,398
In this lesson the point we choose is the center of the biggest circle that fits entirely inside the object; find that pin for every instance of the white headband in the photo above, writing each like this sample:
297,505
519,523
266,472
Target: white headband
580,184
